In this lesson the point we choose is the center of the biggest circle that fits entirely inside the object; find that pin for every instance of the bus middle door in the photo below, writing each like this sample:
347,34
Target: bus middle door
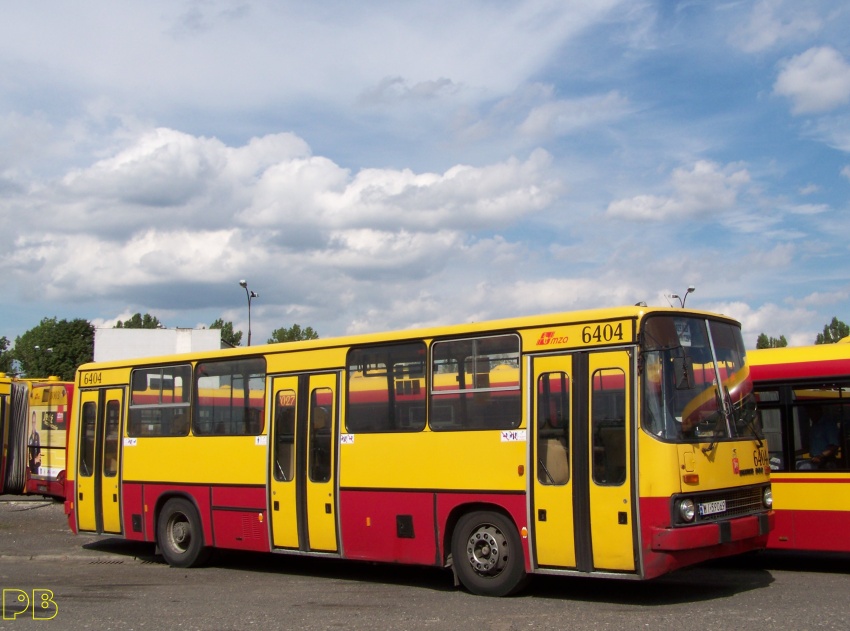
554,539
98,504
303,462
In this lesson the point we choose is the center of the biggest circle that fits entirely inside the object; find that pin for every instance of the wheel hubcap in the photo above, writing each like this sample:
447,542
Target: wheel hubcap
180,534
486,550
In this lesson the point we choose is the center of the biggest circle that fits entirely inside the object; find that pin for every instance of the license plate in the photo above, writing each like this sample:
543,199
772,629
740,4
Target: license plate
711,508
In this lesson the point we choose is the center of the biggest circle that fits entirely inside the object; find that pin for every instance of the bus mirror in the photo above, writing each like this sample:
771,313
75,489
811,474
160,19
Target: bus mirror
683,373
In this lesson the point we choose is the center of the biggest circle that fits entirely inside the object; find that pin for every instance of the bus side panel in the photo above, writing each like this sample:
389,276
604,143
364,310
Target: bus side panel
451,506
134,513
392,526
814,530
232,517
802,523
239,518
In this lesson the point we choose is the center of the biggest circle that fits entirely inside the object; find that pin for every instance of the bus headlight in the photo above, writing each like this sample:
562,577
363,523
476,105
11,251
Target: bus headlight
767,497
686,510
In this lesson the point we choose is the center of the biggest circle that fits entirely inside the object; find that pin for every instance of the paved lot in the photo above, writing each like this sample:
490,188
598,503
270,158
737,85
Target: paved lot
104,583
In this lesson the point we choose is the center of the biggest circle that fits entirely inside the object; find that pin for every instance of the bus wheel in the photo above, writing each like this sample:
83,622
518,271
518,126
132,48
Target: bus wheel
487,554
179,534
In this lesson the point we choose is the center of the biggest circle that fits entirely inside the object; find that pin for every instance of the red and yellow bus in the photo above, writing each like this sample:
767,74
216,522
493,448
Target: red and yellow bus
33,420
613,443
803,397
49,411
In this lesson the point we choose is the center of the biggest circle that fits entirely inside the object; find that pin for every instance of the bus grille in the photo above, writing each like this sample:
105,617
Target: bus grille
739,502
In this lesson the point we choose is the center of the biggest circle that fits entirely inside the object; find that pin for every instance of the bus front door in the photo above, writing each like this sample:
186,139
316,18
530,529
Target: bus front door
98,498
302,490
582,489
610,496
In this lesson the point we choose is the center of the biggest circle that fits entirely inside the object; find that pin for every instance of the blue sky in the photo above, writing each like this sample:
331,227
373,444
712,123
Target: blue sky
382,165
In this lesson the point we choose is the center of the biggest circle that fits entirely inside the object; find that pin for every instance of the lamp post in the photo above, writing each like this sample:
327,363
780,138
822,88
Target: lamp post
250,294
682,300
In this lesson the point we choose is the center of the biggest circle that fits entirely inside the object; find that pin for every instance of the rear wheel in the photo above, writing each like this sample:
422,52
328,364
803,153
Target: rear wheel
487,554
179,534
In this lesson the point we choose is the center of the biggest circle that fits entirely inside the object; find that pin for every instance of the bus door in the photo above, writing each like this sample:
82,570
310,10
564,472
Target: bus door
583,517
610,490
98,504
554,539
303,463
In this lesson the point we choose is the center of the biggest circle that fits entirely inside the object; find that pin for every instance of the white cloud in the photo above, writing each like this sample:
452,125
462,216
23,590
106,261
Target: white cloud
227,55
560,117
318,192
772,22
795,323
174,210
815,81
845,172
705,190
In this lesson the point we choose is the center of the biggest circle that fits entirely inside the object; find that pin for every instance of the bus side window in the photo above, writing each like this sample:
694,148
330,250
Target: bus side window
113,439
87,446
608,410
553,392
284,435
321,418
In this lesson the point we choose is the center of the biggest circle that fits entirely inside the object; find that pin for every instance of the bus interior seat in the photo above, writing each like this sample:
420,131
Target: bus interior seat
554,461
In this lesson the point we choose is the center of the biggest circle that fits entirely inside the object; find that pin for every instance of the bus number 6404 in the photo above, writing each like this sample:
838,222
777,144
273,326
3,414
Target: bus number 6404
92,378
602,333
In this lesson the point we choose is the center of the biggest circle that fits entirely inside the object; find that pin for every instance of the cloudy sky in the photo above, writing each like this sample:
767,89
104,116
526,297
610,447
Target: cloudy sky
379,164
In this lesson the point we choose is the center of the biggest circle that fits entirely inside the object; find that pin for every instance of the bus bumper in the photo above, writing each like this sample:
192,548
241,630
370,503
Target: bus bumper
707,535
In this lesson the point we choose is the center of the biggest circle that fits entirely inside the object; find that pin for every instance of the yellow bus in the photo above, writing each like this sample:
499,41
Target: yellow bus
613,443
33,418
803,397
47,419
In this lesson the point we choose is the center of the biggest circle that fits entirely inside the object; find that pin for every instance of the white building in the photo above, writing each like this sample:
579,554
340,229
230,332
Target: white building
110,344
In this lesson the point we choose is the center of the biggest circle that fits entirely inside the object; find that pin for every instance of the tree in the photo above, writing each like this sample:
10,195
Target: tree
5,355
228,335
138,321
771,342
833,332
55,347
292,334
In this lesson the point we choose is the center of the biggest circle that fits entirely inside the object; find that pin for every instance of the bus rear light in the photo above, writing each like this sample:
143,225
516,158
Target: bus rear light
691,478
687,510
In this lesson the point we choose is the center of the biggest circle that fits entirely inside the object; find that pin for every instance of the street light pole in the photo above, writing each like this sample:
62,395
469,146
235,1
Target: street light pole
681,299
250,294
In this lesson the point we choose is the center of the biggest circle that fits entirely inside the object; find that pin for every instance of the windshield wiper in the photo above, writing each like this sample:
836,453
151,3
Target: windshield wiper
748,417
721,417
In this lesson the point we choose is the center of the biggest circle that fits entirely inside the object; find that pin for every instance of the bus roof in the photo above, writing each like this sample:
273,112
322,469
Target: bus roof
800,362
517,323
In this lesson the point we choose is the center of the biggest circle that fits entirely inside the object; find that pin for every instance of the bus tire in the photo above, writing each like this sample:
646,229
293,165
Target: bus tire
179,534
487,554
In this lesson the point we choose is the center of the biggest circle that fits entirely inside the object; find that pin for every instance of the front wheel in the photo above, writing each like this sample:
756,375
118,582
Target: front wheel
487,554
179,534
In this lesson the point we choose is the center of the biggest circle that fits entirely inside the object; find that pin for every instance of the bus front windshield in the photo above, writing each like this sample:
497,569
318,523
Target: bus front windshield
696,385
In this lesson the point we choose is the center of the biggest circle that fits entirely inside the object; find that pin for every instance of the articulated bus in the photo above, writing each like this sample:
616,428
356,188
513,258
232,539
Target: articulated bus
613,443
33,418
803,398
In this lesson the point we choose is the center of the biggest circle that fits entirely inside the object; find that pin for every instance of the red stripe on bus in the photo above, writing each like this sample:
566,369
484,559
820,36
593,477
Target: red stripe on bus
800,370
